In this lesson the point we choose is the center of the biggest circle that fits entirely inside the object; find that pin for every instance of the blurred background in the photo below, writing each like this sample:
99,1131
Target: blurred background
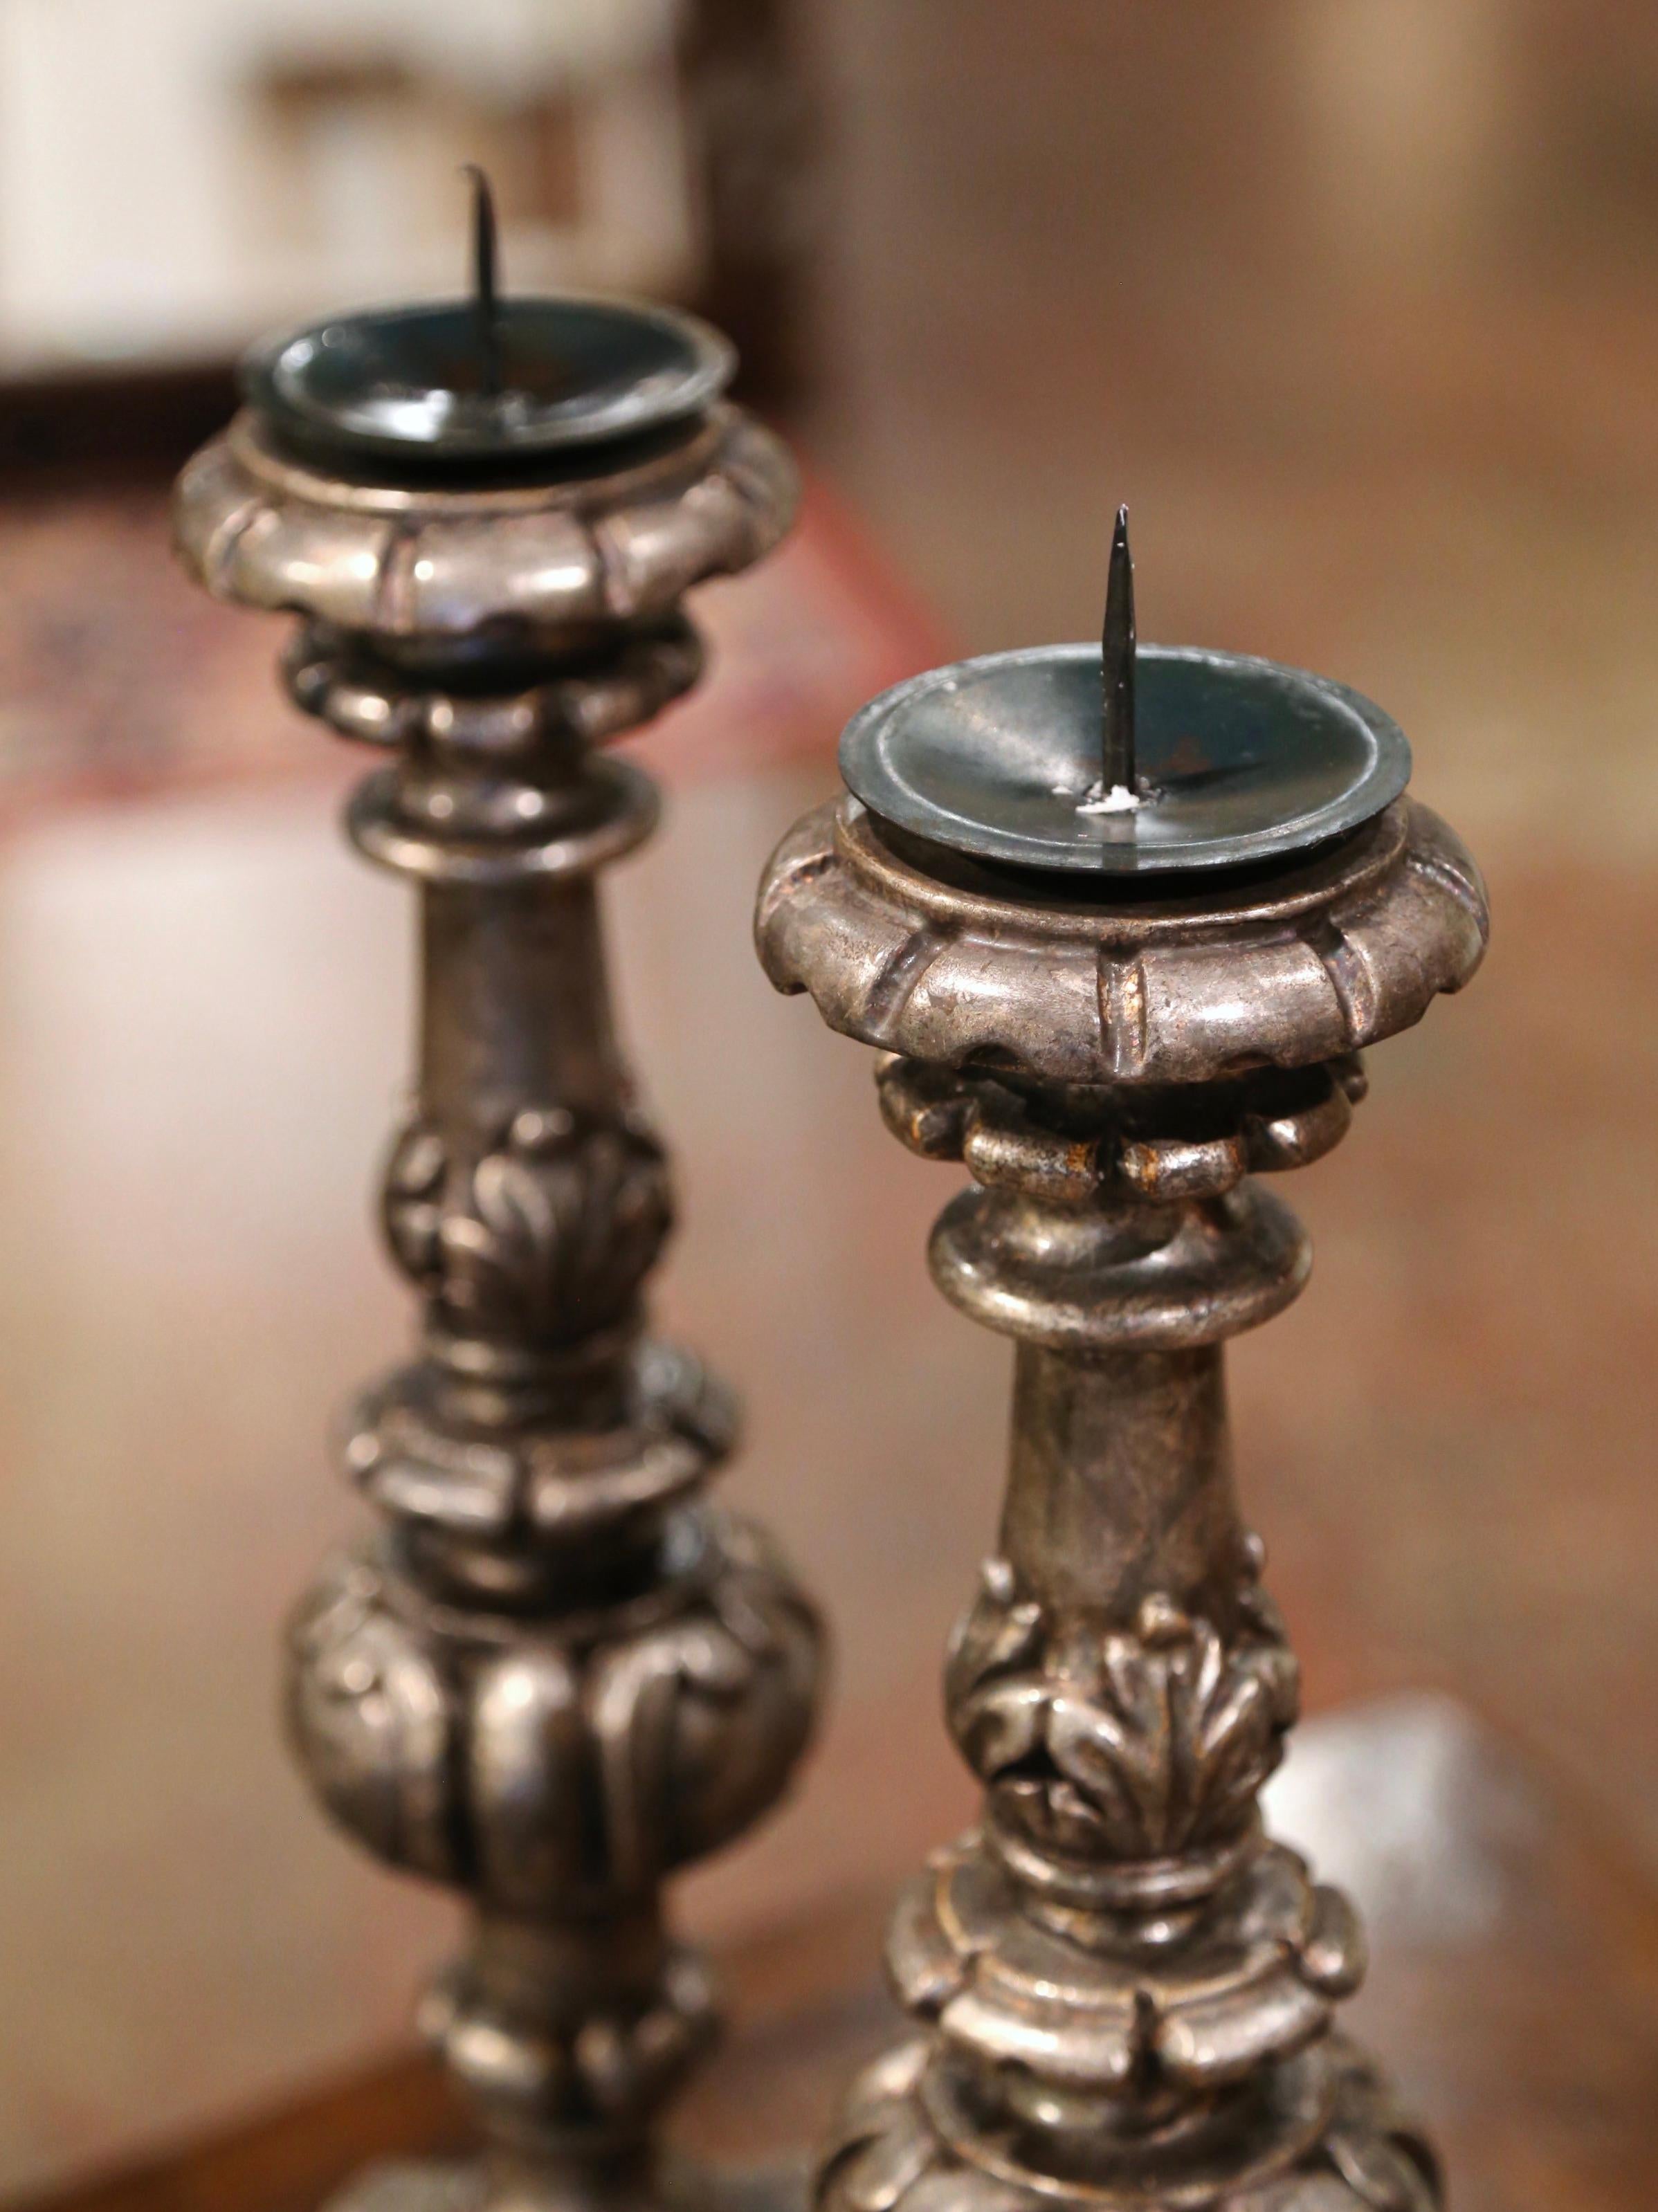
1356,302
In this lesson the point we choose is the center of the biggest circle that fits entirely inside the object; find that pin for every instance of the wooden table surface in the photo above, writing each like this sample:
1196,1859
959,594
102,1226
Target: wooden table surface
1358,307
1515,1992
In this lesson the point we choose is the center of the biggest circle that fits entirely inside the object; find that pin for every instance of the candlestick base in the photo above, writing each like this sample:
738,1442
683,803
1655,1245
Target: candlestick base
666,2185
1365,2155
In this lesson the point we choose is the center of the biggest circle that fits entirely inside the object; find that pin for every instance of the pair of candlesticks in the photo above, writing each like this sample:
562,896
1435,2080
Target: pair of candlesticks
1117,922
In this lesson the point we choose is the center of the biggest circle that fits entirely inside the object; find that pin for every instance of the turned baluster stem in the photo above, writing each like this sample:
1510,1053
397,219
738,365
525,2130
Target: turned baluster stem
1123,1994
515,1010
1120,1487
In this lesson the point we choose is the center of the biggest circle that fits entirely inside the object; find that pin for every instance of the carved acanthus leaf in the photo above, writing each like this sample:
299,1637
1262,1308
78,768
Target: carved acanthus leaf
544,1235
1121,1743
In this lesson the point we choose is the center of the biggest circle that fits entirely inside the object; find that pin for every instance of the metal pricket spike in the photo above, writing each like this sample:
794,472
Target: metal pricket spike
486,299
1117,667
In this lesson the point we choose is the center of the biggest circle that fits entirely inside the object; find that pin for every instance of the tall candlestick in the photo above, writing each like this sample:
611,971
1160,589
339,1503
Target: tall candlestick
1123,1994
556,1675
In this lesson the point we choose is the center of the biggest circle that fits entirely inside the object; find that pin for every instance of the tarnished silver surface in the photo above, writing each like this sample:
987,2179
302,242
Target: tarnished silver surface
1126,1995
427,569
555,1674
948,964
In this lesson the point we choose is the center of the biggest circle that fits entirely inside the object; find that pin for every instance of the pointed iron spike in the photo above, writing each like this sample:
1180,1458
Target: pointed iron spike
486,302
1119,770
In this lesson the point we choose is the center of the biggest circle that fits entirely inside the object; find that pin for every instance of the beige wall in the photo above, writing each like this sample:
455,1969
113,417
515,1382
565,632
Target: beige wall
158,200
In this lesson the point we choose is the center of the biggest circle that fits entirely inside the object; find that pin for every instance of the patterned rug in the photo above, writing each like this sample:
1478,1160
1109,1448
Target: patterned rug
120,679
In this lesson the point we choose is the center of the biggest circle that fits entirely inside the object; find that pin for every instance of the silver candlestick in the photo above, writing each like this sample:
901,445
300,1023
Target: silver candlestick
555,1674
1123,1993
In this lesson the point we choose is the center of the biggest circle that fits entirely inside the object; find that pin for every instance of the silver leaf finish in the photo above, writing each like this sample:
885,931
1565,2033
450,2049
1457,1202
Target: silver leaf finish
555,1676
1126,1994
